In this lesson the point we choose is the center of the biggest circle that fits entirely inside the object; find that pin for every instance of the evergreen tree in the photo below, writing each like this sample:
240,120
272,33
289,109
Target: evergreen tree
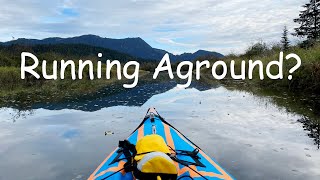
309,20
284,39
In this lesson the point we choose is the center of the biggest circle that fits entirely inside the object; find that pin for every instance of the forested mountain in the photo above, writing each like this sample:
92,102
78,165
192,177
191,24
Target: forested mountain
10,54
135,47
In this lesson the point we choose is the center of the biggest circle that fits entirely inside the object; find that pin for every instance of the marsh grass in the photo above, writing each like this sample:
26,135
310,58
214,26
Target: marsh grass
305,79
11,84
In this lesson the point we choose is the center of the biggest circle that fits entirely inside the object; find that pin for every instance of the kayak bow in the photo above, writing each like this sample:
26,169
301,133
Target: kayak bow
190,161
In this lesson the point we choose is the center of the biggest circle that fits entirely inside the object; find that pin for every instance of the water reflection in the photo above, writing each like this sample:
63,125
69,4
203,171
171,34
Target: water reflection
16,114
313,129
306,105
113,95
244,132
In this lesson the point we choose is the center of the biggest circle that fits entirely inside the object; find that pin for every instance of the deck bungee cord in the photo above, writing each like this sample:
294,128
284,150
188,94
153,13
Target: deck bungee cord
131,166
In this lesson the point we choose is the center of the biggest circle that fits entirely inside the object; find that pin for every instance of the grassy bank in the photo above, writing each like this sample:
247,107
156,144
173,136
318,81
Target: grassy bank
14,89
11,83
23,94
305,79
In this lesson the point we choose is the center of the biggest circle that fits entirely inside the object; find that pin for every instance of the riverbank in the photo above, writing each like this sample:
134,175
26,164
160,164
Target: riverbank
17,91
21,94
305,80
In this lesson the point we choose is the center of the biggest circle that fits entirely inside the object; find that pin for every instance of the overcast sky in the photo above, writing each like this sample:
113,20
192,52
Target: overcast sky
174,25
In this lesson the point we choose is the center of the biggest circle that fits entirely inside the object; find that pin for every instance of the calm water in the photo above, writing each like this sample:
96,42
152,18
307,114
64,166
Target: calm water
250,136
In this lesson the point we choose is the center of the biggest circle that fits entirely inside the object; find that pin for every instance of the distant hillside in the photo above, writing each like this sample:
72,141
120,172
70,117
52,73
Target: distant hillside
10,54
199,53
135,47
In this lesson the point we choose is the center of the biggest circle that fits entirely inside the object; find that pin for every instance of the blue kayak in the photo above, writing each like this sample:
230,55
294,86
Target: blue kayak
189,160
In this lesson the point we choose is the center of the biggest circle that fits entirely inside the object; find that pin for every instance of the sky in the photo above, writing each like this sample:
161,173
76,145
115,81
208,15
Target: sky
226,26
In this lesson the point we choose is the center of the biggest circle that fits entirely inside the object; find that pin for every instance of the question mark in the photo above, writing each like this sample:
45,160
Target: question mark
294,68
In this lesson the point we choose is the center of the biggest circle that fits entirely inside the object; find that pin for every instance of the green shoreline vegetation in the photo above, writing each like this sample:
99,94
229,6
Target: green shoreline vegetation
12,86
306,79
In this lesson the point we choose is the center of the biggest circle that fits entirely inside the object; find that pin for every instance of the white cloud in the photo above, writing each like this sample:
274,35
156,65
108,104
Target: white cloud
177,26
174,43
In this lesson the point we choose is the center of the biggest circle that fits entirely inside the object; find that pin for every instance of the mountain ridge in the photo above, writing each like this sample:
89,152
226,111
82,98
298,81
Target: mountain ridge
135,46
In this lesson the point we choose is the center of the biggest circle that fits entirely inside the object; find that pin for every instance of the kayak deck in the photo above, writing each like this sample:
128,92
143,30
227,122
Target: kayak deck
155,124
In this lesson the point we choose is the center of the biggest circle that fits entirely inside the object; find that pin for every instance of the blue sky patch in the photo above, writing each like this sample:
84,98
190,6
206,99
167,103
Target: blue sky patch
69,12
